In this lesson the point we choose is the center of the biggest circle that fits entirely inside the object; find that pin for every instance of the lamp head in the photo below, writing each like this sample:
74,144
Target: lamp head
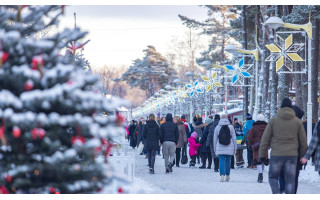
206,63
167,87
176,81
274,22
161,90
231,48
189,74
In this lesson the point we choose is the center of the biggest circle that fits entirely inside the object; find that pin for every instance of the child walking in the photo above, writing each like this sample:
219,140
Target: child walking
193,148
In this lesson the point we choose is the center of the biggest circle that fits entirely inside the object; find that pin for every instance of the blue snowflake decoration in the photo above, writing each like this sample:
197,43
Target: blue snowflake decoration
239,71
193,88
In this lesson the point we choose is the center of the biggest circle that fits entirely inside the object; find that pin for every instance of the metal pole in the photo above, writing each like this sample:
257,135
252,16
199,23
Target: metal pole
205,106
256,94
309,104
191,111
226,98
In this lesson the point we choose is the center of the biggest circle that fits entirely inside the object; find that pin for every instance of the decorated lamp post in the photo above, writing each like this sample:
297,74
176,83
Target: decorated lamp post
255,53
276,22
226,87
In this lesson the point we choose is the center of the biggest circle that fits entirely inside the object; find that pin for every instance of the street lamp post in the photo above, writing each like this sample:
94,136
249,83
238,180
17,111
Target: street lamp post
226,88
190,75
276,22
255,53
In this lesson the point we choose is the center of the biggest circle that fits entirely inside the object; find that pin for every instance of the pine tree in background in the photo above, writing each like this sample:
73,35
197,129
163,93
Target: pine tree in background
49,128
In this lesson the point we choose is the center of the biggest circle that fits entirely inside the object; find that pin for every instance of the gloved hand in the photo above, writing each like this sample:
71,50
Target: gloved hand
243,142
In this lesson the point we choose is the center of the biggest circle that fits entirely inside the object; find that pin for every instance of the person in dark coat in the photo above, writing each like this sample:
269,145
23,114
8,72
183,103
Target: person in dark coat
239,135
169,137
151,137
133,134
140,138
209,142
204,149
254,138
182,139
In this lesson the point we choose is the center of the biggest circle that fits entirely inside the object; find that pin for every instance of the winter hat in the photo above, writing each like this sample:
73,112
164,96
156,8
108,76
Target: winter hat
194,134
198,116
208,121
169,117
261,117
298,111
183,117
249,116
224,116
216,117
235,119
286,102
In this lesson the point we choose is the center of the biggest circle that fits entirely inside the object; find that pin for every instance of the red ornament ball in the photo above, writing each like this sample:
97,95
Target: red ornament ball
57,193
52,190
3,190
28,85
37,61
78,139
16,132
8,178
3,57
120,190
38,133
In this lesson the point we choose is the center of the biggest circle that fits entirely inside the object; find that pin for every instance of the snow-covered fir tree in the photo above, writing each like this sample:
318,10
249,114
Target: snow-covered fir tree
151,73
50,132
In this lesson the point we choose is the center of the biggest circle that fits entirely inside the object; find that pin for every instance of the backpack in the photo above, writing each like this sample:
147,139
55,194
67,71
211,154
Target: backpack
224,135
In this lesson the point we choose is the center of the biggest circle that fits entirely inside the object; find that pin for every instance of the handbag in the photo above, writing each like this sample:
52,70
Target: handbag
184,158
255,146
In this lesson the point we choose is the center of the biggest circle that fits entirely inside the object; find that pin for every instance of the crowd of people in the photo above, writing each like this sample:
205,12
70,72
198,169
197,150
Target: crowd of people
221,141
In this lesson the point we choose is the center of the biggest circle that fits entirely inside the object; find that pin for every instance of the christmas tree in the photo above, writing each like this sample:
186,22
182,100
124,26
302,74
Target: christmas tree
50,130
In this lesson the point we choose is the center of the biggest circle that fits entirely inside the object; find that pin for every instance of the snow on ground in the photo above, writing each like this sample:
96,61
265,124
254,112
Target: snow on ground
185,180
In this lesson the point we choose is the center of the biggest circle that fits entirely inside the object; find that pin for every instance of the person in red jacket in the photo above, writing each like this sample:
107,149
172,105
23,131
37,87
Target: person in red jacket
193,148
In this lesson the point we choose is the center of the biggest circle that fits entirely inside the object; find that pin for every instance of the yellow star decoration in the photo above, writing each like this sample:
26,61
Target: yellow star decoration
214,81
181,93
284,52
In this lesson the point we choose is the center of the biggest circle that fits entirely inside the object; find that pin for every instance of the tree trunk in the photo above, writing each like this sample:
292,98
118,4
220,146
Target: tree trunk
314,70
283,81
264,73
273,88
244,46
304,83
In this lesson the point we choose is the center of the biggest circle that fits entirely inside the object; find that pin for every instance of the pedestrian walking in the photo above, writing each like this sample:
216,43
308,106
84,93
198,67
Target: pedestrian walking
246,128
151,135
133,132
209,142
314,147
169,137
140,138
285,136
193,148
225,145
239,136
204,149
182,139
254,140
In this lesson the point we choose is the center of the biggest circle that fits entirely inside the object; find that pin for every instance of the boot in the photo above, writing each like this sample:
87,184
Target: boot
202,167
152,171
260,178
209,167
167,171
170,167
227,178
222,178
216,170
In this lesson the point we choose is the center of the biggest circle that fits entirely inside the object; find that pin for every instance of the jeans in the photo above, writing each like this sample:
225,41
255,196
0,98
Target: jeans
168,151
151,157
282,182
204,157
224,164
287,164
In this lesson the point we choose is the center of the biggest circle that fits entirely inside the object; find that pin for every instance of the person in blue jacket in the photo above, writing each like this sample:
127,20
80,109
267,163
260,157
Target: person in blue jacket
246,128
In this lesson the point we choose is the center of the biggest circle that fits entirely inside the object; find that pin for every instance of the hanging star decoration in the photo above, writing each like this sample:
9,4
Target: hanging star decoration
193,88
238,72
171,97
212,82
181,93
284,52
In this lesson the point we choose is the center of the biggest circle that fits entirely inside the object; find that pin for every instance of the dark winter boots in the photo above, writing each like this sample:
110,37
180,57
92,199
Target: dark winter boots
260,178
151,170
170,167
